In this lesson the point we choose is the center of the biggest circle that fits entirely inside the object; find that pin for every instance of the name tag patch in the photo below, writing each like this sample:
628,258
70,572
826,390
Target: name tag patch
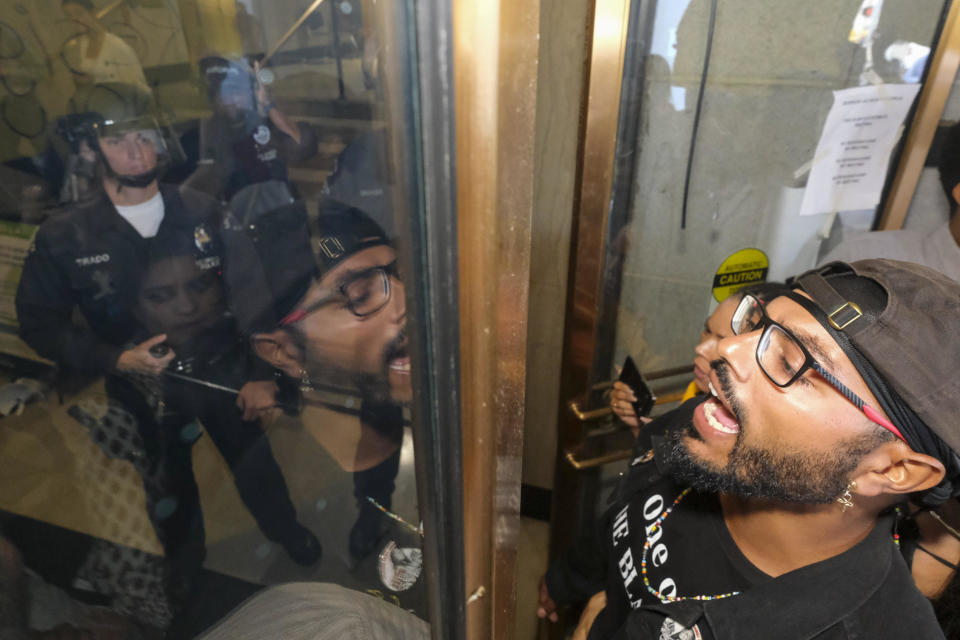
86,261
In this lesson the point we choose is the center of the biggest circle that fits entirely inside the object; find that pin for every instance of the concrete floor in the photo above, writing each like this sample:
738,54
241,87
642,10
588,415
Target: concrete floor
51,471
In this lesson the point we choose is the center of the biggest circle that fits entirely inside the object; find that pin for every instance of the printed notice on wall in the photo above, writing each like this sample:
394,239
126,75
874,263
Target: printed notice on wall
850,165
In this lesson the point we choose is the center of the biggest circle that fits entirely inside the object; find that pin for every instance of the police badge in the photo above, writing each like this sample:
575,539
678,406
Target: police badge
201,238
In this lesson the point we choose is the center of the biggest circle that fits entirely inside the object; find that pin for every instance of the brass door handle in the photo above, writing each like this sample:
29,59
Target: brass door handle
588,416
603,412
593,415
599,461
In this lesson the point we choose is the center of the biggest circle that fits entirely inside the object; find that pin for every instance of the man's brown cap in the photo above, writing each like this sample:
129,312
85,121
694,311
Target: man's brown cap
899,323
915,341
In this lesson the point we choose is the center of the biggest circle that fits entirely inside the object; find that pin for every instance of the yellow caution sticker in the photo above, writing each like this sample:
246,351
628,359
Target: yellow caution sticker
741,269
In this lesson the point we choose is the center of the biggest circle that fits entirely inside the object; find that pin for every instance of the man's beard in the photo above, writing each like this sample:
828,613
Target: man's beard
372,386
803,477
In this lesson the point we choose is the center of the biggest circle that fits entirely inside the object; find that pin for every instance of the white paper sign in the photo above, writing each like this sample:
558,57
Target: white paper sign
850,165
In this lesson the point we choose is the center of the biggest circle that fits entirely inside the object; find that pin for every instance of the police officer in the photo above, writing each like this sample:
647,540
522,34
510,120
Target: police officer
247,143
94,258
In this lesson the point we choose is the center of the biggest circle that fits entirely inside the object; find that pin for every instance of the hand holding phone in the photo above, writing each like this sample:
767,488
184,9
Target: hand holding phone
630,375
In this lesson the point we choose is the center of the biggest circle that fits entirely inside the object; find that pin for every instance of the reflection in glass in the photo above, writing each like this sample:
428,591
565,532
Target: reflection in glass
94,54
204,331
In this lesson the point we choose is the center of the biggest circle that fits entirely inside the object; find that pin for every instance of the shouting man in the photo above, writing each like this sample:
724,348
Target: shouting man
331,313
770,509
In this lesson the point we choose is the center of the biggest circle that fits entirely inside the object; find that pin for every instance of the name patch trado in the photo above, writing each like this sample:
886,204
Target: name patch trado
86,261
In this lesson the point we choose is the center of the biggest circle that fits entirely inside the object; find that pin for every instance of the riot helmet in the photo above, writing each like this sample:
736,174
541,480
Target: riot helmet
111,111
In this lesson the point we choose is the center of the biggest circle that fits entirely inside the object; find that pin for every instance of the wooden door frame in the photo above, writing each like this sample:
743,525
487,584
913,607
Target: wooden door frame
933,99
495,61
598,175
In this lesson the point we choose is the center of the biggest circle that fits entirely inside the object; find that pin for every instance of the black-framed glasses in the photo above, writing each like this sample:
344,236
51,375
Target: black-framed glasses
783,358
364,293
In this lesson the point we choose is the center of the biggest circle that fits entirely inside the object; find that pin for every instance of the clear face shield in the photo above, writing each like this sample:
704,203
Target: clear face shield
136,152
133,151
148,136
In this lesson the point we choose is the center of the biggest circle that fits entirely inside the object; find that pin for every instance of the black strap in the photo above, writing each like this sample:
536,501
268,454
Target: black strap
873,379
842,314
939,559
918,436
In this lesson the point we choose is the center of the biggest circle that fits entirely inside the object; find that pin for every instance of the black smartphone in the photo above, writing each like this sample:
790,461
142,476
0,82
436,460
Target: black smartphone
630,375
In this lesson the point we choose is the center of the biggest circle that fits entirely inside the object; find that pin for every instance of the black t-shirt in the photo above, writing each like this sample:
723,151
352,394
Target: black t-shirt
864,592
691,553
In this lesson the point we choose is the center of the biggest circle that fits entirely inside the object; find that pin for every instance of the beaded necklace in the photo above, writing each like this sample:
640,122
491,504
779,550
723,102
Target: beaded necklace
658,524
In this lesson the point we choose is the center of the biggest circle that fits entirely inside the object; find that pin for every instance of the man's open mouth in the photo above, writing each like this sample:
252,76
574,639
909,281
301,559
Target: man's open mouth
397,357
718,415
400,364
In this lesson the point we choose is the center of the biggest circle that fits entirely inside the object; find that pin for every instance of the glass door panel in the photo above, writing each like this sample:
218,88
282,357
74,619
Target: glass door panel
212,219
721,107
747,144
